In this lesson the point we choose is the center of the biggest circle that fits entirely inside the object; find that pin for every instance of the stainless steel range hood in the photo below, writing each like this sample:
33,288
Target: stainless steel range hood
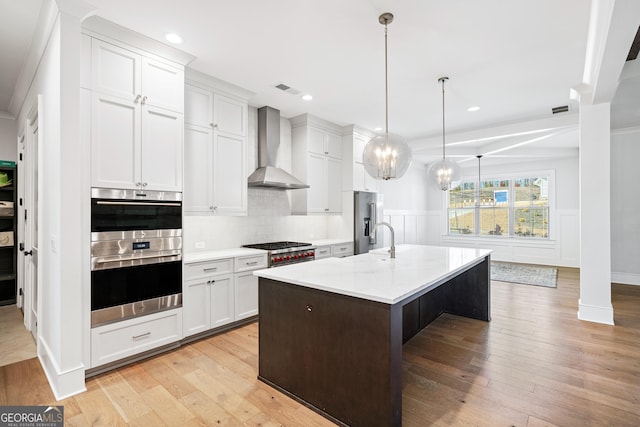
268,175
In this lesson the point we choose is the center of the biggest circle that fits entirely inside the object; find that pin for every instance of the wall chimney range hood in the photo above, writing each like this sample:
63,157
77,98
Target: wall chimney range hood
268,175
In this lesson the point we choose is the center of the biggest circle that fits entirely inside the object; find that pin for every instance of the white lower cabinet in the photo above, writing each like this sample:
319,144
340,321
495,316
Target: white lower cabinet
221,291
337,250
123,339
246,293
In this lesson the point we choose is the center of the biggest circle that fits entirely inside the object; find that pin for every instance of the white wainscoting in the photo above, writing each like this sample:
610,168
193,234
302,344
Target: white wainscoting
429,228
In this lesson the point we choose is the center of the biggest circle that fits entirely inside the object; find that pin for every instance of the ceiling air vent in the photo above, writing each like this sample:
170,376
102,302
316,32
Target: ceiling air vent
285,88
560,109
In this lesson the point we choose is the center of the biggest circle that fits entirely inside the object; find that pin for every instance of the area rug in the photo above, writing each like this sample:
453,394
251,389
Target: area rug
524,273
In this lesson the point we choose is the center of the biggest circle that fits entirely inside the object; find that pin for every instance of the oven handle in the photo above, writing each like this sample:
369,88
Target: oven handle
131,258
107,202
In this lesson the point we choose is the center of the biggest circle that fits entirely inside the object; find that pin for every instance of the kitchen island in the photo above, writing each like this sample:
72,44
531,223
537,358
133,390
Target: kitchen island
331,330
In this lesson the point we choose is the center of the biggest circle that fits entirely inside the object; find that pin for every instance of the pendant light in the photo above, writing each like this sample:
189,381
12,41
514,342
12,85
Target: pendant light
444,173
386,156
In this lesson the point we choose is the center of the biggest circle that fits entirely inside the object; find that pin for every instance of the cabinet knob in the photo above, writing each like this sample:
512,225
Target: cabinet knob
309,307
138,184
213,126
144,184
144,100
137,99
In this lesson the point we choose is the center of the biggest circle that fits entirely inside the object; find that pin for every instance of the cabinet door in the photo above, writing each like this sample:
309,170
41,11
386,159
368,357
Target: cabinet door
333,145
162,85
196,310
316,141
198,171
334,185
230,116
115,71
161,152
246,293
359,142
229,173
222,300
317,192
198,106
115,142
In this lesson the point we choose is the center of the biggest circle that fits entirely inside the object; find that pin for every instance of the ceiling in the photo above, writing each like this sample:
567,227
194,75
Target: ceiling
515,60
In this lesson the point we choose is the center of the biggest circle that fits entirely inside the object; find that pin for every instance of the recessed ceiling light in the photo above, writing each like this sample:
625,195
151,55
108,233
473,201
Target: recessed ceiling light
473,108
307,97
173,38
378,129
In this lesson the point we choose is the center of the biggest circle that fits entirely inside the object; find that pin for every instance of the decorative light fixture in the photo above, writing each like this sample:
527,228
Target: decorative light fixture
386,156
173,38
444,173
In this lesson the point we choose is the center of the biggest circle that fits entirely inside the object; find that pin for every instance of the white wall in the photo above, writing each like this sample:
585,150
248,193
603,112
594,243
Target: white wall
8,133
625,206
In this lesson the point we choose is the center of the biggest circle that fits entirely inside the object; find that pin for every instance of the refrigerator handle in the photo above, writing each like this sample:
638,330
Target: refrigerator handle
374,221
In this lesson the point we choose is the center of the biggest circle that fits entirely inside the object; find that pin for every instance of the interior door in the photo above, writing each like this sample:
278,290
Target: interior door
30,223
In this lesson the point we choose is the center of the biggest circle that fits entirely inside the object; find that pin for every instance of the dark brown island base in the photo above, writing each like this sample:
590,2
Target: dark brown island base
334,342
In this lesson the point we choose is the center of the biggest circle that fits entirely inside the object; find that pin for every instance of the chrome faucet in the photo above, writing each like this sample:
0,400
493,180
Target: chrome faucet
392,250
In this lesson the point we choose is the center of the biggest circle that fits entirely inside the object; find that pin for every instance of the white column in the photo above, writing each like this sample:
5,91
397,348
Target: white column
595,232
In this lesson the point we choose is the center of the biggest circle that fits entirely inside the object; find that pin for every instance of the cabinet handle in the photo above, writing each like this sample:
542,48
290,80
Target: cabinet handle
144,184
326,152
251,263
137,337
135,101
309,307
144,100
326,209
210,269
138,184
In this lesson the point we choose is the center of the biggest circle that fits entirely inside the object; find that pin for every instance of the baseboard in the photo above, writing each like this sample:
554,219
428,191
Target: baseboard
597,314
63,384
625,278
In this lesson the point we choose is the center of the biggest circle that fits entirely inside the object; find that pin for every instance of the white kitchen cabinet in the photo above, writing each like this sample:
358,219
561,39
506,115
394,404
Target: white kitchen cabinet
120,72
137,123
323,252
337,250
220,291
208,295
317,160
215,151
129,337
356,178
135,146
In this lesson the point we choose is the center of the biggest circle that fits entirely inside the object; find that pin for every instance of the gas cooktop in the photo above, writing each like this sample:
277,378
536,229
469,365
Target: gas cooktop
274,246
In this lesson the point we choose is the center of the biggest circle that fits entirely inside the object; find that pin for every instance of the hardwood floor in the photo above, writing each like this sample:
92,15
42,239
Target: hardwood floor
534,364
16,343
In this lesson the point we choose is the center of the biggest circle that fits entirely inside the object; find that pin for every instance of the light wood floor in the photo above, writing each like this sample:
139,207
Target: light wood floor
16,343
534,364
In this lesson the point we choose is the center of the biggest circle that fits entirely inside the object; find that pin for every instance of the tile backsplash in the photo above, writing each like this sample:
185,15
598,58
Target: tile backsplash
269,219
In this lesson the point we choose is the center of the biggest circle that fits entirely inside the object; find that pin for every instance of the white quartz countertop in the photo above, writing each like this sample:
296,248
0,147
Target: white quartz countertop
219,254
377,277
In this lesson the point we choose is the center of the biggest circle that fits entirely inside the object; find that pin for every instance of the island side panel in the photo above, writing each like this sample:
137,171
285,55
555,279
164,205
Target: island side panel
469,293
339,355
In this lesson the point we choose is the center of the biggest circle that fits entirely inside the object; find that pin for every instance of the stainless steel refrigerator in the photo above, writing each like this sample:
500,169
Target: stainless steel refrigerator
368,210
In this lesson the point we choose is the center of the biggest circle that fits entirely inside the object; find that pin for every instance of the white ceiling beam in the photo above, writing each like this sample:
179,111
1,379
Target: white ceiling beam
612,28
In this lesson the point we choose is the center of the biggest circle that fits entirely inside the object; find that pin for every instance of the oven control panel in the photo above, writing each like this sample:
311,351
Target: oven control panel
292,257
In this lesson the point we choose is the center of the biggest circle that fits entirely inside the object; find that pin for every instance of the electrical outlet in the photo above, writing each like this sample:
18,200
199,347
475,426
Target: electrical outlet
199,245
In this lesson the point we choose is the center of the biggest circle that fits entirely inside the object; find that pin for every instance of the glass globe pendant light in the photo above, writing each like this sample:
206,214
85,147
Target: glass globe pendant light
386,156
444,173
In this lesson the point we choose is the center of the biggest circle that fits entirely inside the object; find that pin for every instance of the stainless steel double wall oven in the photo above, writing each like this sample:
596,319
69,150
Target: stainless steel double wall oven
136,253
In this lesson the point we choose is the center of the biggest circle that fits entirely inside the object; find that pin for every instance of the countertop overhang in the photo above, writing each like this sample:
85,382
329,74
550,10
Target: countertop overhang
377,277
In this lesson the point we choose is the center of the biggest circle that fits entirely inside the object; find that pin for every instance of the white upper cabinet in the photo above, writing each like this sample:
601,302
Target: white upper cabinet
120,72
356,178
137,123
317,160
215,153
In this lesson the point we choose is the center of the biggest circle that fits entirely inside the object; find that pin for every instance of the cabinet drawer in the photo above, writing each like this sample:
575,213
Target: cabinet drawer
323,252
208,268
253,262
127,338
342,250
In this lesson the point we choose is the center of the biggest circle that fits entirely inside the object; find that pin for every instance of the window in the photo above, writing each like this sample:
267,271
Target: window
517,207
